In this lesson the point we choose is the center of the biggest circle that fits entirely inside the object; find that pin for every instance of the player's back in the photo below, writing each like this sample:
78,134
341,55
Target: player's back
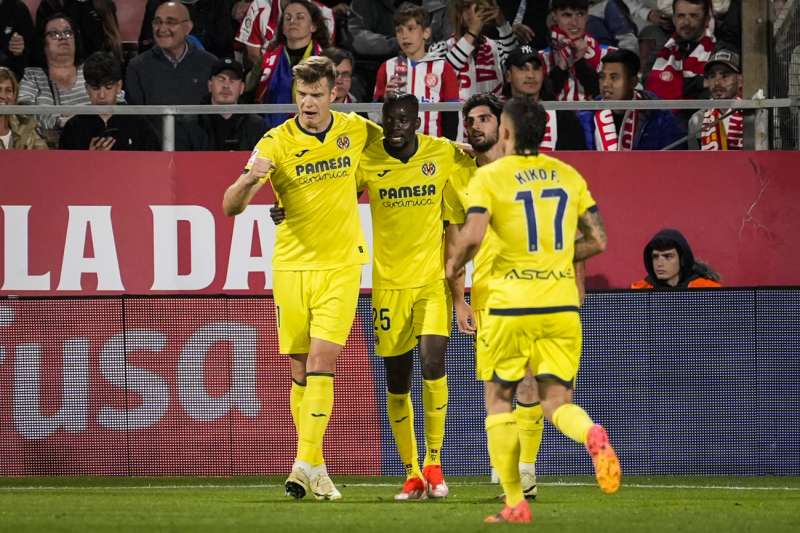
407,209
534,203
315,182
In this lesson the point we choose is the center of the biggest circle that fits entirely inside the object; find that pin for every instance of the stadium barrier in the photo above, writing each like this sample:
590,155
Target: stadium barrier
697,382
759,106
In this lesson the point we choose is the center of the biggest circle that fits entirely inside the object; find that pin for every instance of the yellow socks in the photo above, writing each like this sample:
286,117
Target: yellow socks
530,422
315,413
573,422
401,418
295,399
503,439
434,401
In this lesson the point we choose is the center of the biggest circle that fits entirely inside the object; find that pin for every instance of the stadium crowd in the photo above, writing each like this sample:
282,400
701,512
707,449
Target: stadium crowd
235,51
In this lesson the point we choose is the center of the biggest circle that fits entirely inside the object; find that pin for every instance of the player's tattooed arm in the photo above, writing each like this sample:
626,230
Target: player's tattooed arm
464,317
593,239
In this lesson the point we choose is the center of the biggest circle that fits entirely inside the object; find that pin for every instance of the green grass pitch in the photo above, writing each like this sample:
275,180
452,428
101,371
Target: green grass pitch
670,504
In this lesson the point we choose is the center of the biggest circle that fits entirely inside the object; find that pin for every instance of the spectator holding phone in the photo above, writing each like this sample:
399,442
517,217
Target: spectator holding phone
105,131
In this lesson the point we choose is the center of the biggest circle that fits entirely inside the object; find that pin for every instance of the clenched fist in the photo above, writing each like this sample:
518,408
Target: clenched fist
262,167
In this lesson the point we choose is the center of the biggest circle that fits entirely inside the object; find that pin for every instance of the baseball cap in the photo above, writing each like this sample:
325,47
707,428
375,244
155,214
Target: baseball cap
228,64
725,57
523,54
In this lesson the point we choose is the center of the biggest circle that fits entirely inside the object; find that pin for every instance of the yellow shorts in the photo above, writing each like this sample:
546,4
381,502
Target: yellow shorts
401,315
315,303
550,344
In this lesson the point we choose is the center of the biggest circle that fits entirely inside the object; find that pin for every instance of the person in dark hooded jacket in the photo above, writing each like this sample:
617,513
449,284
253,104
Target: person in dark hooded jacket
670,264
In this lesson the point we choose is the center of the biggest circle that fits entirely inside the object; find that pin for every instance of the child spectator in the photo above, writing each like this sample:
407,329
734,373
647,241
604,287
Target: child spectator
428,77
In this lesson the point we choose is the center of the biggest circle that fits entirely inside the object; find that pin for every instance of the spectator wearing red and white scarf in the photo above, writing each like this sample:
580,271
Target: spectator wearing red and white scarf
722,129
678,71
525,77
610,130
573,59
260,25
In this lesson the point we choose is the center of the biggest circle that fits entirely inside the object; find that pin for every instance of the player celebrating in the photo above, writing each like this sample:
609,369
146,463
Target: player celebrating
482,119
526,190
319,253
406,176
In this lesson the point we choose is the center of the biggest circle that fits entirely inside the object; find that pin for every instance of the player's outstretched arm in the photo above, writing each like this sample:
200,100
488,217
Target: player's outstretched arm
467,243
593,240
464,317
239,194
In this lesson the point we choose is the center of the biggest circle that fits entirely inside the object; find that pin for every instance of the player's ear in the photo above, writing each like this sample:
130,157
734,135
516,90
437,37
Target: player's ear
417,123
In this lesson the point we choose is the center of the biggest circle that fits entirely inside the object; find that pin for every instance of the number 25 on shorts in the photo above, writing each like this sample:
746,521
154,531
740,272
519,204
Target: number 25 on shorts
380,319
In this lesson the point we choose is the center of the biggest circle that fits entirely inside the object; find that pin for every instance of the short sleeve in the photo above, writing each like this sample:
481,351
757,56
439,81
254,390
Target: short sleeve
479,197
267,147
453,210
585,199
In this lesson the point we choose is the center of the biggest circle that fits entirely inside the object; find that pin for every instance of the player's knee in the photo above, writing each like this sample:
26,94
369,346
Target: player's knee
398,373
432,352
528,391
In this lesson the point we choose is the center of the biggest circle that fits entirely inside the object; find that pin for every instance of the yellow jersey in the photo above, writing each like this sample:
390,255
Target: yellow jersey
314,180
407,201
482,262
534,203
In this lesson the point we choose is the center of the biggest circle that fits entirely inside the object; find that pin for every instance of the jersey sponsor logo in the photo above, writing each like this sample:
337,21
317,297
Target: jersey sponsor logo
301,153
666,76
429,168
322,170
431,80
532,274
392,193
343,142
382,173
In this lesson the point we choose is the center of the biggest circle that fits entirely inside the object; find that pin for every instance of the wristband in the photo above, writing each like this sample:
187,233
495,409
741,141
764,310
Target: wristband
470,33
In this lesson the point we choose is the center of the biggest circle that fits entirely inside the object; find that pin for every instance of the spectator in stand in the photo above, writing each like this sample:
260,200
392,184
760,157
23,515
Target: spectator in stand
16,132
528,20
344,62
478,60
654,28
574,57
174,71
105,131
727,25
302,33
214,24
16,35
525,76
610,22
670,264
371,27
61,82
678,71
632,129
428,77
95,23
226,131
718,129
260,25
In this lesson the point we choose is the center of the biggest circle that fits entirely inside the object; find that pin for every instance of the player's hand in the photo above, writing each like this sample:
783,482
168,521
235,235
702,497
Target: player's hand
262,167
465,318
102,144
465,147
523,32
277,214
16,45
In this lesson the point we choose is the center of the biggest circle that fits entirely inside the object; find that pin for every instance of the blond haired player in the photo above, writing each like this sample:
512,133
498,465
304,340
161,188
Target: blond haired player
534,205
311,162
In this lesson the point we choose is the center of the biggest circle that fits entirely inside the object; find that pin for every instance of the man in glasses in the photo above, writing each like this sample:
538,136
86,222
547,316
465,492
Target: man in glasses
174,71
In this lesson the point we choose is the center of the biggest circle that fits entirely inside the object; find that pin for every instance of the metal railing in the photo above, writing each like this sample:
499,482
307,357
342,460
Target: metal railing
169,112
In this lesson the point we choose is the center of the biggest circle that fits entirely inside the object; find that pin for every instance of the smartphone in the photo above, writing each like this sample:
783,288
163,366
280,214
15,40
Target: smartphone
110,132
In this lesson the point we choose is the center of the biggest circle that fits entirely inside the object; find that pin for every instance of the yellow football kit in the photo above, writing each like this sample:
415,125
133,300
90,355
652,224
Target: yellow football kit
407,200
315,284
534,203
